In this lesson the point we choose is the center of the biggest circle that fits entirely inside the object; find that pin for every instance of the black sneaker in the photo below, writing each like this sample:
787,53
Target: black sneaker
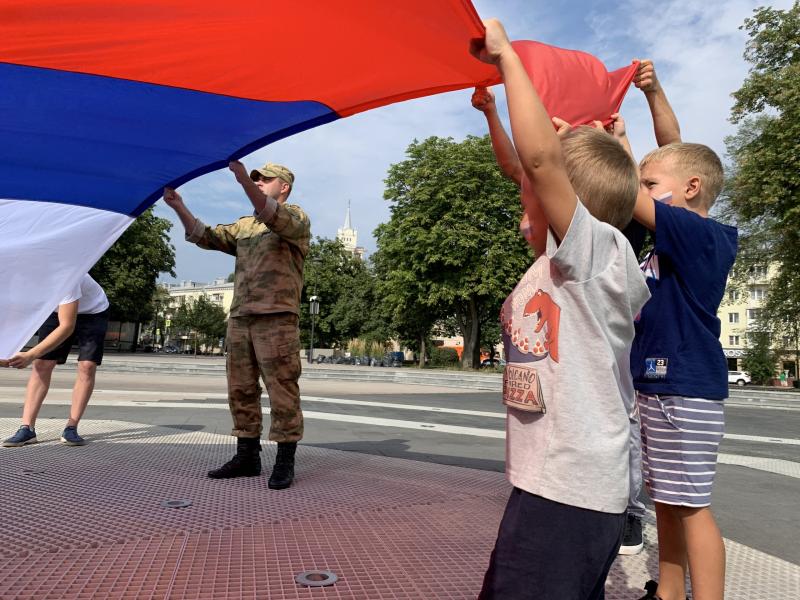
632,536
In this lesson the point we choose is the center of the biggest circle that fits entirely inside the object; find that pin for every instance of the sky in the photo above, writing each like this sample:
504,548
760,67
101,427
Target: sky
696,47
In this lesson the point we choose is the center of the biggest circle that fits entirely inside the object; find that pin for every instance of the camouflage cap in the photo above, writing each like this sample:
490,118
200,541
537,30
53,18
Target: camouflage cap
272,170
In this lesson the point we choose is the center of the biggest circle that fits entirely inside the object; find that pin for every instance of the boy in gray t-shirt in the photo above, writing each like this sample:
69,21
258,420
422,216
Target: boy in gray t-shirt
567,329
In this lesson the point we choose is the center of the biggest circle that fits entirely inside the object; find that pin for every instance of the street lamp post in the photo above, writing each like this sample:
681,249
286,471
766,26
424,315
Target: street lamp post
313,310
167,323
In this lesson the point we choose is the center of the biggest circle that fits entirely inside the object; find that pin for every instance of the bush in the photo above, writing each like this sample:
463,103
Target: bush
444,357
357,347
374,349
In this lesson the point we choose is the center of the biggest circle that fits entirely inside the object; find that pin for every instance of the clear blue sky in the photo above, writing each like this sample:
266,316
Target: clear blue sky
697,48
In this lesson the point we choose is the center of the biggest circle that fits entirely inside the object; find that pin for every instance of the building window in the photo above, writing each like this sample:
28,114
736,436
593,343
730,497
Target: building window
759,272
733,340
733,317
733,296
758,293
753,314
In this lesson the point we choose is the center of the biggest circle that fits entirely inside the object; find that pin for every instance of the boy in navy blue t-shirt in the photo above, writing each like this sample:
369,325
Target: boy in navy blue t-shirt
678,367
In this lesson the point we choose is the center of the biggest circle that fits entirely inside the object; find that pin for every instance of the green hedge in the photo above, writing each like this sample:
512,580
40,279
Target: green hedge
444,357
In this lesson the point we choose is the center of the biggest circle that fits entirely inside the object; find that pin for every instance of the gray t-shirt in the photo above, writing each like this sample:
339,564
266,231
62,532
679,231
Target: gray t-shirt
567,330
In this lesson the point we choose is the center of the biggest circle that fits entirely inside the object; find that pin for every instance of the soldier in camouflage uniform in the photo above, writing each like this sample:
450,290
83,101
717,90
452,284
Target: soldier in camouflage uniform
263,336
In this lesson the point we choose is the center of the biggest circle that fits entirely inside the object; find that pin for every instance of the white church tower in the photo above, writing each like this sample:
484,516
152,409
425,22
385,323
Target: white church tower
349,236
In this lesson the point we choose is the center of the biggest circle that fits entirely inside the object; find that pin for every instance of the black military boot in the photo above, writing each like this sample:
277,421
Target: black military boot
283,471
246,463
651,587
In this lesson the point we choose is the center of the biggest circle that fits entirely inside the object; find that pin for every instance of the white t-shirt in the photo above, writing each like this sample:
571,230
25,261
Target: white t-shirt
582,296
90,296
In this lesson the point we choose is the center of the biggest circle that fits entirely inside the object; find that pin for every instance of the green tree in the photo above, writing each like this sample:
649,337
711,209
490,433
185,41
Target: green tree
408,318
346,288
202,320
452,242
491,335
763,191
758,359
129,269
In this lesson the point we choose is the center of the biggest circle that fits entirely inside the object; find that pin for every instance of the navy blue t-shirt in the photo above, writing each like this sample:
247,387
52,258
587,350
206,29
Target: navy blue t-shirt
676,350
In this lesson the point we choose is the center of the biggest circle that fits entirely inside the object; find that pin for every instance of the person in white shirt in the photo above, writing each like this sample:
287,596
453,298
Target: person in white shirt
567,331
81,318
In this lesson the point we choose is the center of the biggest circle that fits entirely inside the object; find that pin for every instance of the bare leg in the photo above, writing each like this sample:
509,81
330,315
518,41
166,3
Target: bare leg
35,392
672,556
706,553
84,386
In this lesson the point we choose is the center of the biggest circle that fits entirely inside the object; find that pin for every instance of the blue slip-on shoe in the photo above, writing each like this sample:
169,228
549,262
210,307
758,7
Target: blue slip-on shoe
24,435
70,436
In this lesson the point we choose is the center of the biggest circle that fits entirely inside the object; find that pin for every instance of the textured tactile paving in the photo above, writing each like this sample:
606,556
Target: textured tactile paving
88,522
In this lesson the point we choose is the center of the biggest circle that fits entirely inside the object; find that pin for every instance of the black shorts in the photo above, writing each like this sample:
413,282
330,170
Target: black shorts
546,550
89,334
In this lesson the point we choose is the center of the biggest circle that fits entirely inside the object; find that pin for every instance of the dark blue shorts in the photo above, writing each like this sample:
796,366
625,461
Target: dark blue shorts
89,335
546,550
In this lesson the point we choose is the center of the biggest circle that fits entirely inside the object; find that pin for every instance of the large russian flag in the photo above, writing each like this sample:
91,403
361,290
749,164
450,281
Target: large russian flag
102,104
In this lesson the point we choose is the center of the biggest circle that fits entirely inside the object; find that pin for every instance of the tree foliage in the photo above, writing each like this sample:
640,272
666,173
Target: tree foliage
451,247
346,288
763,191
758,359
201,317
128,271
401,306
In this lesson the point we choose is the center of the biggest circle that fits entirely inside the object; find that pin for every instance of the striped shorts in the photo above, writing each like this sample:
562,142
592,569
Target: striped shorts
680,440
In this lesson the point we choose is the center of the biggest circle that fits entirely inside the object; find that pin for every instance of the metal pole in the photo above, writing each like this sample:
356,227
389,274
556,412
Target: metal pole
311,350
313,310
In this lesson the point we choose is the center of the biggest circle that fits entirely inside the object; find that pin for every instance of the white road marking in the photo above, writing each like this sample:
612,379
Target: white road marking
761,439
156,396
151,399
787,468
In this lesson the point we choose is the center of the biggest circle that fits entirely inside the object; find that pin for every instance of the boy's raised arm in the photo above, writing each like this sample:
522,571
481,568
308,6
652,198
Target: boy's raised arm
665,123
504,152
538,148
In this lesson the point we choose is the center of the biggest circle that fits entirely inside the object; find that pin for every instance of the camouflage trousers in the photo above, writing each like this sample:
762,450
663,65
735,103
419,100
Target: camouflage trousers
267,346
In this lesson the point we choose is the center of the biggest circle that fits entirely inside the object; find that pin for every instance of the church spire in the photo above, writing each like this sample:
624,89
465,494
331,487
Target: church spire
347,217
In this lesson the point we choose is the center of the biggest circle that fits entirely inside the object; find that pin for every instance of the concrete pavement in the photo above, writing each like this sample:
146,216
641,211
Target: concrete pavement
419,528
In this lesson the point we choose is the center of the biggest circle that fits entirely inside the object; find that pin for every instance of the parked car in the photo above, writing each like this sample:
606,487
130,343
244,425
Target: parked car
392,359
171,349
495,362
738,377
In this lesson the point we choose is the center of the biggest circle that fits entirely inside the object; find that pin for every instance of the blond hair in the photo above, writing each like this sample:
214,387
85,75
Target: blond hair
602,173
692,160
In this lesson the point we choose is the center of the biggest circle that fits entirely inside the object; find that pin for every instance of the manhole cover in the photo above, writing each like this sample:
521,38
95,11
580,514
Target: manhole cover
176,503
316,578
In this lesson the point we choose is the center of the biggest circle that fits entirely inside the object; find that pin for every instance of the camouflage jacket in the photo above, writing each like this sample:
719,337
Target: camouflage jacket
270,250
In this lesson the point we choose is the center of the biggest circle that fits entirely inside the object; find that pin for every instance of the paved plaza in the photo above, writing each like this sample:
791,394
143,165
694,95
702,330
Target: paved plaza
96,521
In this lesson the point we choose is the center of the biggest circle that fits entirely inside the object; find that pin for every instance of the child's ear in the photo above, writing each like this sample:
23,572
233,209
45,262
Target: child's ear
693,186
